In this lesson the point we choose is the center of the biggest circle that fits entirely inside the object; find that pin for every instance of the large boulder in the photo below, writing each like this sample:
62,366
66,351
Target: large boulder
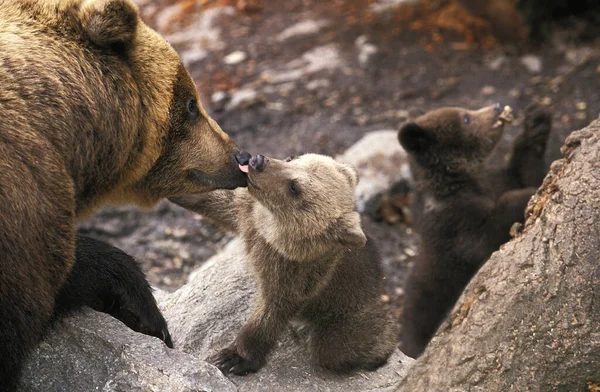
92,351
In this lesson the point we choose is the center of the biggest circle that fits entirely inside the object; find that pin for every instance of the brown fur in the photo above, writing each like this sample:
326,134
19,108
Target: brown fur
463,209
313,263
504,18
93,108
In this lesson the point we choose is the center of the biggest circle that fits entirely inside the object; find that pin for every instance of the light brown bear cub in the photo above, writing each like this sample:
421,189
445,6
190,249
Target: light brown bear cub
313,263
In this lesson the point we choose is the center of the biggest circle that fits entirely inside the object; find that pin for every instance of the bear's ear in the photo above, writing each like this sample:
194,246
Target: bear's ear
110,23
414,138
350,172
349,232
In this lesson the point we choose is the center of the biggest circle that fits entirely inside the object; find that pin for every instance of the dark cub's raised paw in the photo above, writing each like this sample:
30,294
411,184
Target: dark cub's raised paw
538,123
229,360
108,280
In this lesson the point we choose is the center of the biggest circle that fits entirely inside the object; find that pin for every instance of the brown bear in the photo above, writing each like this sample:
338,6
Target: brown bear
464,208
312,260
95,107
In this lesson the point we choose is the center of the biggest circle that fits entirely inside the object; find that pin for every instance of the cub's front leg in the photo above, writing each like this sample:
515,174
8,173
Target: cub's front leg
218,206
526,163
248,353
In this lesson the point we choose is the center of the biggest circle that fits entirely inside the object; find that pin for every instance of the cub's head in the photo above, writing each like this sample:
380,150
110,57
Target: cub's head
305,205
180,149
454,140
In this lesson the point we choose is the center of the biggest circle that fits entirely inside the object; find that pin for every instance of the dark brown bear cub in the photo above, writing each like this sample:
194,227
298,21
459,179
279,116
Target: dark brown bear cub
465,210
313,263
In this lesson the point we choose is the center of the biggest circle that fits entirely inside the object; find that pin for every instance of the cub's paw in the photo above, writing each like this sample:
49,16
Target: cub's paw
230,361
538,123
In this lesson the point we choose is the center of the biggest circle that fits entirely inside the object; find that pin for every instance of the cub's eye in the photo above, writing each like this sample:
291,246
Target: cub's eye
467,119
192,106
293,187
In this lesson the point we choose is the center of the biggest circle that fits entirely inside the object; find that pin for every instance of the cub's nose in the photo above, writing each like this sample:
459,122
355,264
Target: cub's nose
242,157
498,108
259,162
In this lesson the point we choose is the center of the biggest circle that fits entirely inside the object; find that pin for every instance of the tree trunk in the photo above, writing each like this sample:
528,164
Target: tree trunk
530,319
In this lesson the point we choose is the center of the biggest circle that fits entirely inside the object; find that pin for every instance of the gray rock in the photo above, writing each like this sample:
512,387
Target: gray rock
383,6
303,28
366,50
92,351
205,315
532,62
206,29
321,58
243,98
235,57
219,99
380,161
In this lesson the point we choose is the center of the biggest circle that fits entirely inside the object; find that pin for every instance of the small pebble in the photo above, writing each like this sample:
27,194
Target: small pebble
532,63
581,105
235,57
514,93
488,90
410,252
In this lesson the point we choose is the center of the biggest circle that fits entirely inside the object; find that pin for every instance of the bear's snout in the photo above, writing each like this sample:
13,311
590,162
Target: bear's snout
259,162
242,157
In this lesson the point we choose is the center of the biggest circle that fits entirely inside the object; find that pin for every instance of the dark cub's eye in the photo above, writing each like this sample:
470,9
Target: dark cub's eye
192,107
467,119
293,187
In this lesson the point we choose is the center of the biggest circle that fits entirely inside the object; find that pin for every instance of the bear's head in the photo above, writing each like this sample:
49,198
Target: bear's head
453,140
305,205
181,150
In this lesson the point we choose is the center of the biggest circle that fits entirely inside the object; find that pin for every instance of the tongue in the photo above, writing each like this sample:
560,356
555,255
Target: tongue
244,168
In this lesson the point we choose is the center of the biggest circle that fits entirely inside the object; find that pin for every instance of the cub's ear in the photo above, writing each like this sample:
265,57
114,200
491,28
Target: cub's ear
350,172
349,232
110,23
414,138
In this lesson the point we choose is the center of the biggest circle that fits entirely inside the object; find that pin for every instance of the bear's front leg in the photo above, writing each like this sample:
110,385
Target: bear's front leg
109,280
248,353
526,163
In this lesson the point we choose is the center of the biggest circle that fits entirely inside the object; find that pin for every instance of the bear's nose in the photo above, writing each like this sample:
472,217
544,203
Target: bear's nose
498,108
242,157
258,162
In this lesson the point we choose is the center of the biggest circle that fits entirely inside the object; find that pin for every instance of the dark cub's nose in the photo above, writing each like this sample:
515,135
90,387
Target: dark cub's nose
498,108
258,162
242,157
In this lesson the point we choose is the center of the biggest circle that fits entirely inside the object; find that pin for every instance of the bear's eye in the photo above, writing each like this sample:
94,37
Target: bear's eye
293,187
192,107
467,119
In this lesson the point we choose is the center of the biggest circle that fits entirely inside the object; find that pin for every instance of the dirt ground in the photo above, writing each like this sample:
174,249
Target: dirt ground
347,70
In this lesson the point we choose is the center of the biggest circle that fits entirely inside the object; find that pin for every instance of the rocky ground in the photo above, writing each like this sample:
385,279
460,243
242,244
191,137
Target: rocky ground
287,77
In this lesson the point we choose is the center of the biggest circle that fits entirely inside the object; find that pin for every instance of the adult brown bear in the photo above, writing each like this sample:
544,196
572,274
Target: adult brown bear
94,107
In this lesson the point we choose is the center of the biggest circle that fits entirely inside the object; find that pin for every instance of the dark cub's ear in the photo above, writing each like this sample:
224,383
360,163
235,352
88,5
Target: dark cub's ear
348,231
110,23
414,138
